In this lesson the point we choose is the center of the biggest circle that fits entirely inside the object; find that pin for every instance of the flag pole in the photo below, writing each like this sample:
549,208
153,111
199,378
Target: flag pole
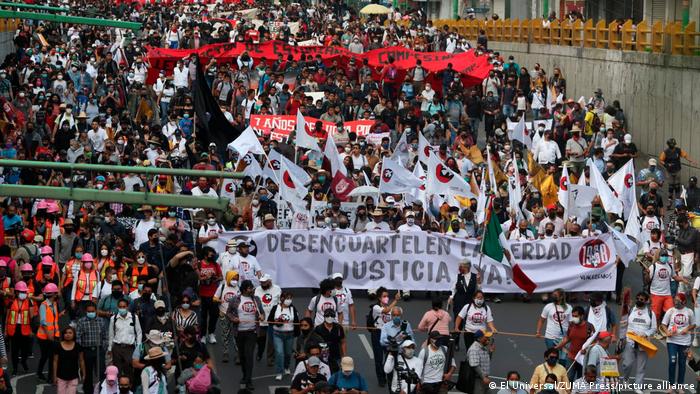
483,230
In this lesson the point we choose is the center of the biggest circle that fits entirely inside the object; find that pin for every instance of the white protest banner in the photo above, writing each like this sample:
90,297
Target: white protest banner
376,138
347,207
423,261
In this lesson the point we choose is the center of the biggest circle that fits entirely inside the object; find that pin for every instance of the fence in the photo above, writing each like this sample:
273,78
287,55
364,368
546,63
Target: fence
671,38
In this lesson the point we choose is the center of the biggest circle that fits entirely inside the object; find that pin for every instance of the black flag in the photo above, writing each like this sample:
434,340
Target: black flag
212,125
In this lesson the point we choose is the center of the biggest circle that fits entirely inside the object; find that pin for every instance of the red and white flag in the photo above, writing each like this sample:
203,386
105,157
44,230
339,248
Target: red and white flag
623,182
396,179
424,149
522,134
247,142
330,151
303,138
442,180
291,188
341,186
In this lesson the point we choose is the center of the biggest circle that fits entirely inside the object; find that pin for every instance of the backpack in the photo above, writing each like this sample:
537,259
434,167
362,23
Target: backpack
34,259
200,383
370,320
318,301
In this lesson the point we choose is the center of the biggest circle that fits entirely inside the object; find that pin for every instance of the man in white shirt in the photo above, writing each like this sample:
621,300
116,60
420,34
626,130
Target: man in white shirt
547,151
555,220
97,136
144,225
181,75
377,223
247,265
345,302
227,258
124,334
410,225
269,295
557,315
641,322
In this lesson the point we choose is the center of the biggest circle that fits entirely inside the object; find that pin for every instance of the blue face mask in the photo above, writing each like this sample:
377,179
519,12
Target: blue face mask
322,178
78,255
663,259
91,315
197,366
397,320
264,198
122,311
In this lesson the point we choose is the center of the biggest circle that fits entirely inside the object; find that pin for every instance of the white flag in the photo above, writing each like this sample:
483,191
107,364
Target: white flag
291,188
580,357
522,134
492,174
418,193
611,203
442,180
482,200
297,171
634,227
331,153
252,167
401,150
515,194
580,202
396,179
272,167
228,189
624,183
563,193
625,247
303,138
247,142
424,148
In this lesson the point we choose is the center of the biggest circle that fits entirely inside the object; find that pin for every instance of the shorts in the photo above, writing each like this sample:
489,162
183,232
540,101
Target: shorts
660,304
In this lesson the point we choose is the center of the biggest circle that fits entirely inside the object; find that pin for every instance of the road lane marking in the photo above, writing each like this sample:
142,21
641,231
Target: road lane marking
366,345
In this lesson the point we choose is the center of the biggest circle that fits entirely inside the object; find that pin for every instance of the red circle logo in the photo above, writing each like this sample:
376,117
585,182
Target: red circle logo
248,307
422,186
628,181
387,174
275,164
229,187
427,150
287,179
564,183
266,298
594,254
443,174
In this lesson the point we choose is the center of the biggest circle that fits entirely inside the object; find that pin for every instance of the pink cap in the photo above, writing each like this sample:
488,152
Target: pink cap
3,261
112,372
52,208
46,250
21,286
26,267
42,204
47,260
50,288
86,257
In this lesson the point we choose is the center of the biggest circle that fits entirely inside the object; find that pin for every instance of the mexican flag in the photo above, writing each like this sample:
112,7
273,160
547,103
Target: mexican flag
495,245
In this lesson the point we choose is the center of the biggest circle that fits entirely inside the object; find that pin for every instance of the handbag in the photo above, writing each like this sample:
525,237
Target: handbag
467,377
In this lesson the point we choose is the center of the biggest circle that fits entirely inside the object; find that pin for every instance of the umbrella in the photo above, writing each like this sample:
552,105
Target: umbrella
364,191
374,9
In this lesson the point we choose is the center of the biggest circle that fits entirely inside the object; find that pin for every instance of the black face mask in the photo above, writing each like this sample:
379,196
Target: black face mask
640,304
117,294
549,232
160,312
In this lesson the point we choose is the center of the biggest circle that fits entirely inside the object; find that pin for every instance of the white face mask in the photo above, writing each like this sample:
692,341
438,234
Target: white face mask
478,302
576,320
211,222
22,296
329,320
104,252
408,352
233,283
231,249
288,302
141,260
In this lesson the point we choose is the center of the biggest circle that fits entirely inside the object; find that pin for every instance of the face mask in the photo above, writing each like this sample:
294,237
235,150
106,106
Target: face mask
576,320
141,260
513,384
640,304
87,265
91,315
549,232
211,222
329,320
678,305
160,311
122,311
264,198
478,302
408,352
185,306
663,259
22,296
231,250
104,252
397,320
385,300
552,360
117,294
288,302
197,366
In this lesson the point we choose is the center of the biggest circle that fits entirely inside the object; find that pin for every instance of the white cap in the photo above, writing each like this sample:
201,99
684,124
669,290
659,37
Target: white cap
628,138
390,200
265,278
407,343
337,275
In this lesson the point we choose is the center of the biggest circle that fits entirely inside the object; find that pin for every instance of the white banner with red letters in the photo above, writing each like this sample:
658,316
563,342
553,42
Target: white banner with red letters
426,261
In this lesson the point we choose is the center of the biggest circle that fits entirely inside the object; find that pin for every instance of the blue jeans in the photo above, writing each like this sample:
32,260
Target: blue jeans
164,112
676,356
508,110
284,344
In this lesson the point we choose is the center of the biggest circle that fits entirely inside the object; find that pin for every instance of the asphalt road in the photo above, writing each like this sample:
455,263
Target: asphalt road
513,352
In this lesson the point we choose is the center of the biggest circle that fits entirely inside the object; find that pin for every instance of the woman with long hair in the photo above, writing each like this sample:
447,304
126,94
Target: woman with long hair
68,363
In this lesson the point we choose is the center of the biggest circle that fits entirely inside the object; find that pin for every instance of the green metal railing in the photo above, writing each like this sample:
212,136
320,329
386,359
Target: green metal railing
69,19
34,7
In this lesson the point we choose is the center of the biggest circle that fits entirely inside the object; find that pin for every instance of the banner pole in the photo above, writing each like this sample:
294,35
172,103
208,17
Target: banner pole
483,230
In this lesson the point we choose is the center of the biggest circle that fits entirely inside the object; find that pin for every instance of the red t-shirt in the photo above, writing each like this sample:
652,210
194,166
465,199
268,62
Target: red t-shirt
207,288
578,334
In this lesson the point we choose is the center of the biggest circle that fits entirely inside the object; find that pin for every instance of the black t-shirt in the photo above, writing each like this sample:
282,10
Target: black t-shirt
655,200
68,361
303,380
190,353
332,337
623,148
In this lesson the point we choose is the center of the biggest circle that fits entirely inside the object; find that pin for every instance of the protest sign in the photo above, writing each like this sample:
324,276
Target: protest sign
423,261
280,126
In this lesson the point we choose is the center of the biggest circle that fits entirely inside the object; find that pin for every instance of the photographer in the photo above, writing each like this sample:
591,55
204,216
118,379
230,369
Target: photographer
438,365
406,371
395,331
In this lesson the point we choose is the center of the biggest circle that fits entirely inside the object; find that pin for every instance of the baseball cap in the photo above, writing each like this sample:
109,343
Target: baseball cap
652,162
159,304
347,364
265,278
337,275
604,334
313,361
112,373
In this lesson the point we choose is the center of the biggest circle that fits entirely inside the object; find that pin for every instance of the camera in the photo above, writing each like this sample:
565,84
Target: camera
393,346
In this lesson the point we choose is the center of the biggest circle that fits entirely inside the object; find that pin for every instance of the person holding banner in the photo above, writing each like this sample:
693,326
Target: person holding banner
641,322
476,316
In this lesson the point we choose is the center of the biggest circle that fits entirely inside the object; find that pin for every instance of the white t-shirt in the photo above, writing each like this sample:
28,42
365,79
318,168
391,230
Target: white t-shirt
641,321
696,286
247,267
283,313
97,138
558,317
226,261
380,318
226,293
344,297
405,228
206,230
661,275
677,320
247,314
475,317
269,298
323,304
651,246
141,231
434,365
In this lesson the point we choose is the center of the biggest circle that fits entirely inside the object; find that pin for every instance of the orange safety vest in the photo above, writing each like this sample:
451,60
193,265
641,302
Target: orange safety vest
18,315
69,271
135,275
85,285
6,284
40,273
45,331
49,227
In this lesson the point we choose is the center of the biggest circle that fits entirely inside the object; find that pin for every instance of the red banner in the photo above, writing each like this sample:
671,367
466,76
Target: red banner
473,68
280,126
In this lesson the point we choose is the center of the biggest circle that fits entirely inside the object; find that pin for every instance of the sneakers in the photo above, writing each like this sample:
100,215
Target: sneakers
212,338
286,371
278,376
